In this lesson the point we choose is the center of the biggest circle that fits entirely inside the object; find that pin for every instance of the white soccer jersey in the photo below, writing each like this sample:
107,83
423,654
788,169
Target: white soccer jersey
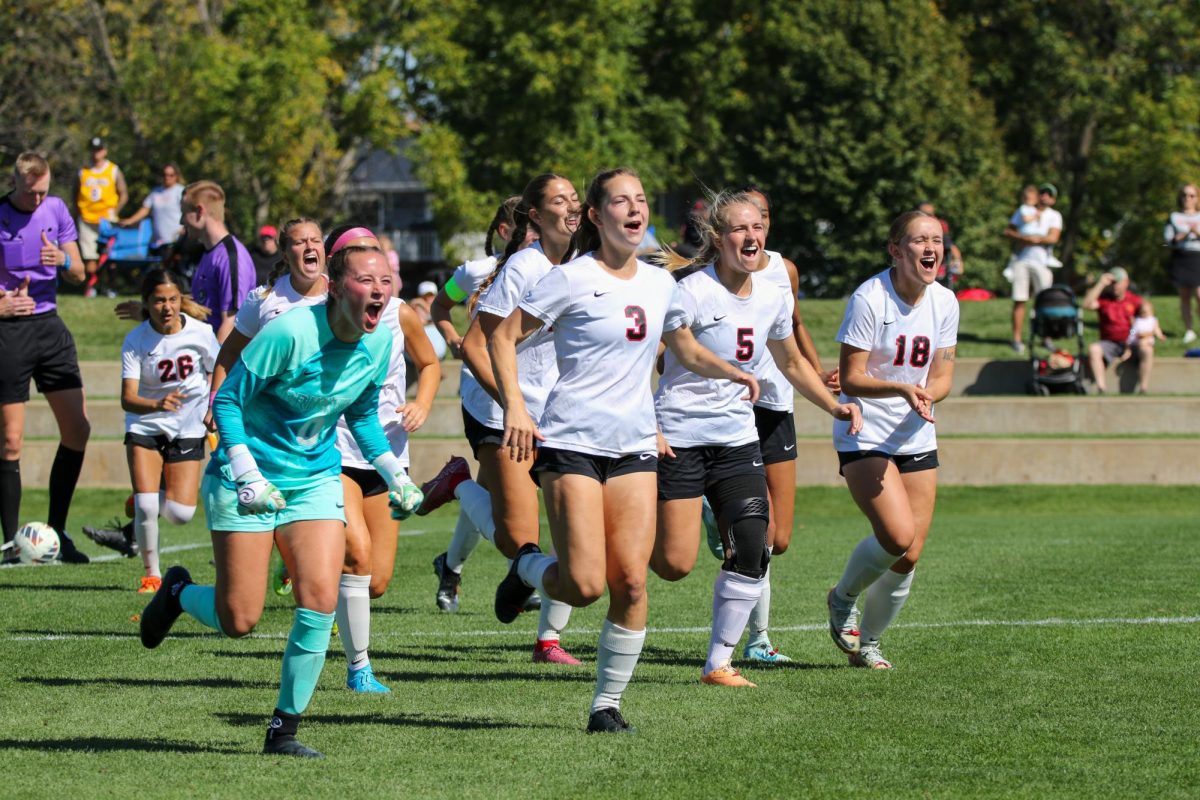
605,333
775,392
694,411
264,304
468,277
902,340
391,400
535,356
162,364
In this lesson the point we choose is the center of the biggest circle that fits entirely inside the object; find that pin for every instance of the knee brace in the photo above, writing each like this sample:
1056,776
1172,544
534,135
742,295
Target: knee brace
742,516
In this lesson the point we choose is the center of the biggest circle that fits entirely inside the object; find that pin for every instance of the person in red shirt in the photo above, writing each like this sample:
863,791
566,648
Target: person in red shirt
1116,307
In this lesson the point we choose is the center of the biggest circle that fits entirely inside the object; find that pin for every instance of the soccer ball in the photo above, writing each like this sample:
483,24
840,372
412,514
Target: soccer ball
37,543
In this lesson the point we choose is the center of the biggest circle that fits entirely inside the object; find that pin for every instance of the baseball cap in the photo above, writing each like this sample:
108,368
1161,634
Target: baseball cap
1118,274
267,231
97,143
426,287
1049,188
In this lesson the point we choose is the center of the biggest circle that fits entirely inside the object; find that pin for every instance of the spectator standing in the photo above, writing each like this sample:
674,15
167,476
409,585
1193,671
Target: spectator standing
100,194
163,206
265,254
953,265
37,242
423,305
225,274
1031,267
1116,307
1182,235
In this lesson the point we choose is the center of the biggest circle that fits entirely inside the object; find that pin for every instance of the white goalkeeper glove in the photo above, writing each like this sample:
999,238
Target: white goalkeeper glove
256,495
403,495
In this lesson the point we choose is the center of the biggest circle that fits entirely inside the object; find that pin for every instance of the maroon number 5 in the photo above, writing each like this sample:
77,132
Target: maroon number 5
745,344
637,331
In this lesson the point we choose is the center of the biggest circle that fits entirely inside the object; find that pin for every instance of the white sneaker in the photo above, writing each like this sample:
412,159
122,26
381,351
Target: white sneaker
1189,337
1018,347
843,622
868,656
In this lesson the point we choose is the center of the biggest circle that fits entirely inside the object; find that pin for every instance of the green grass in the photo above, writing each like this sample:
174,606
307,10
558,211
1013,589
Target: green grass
1019,674
984,330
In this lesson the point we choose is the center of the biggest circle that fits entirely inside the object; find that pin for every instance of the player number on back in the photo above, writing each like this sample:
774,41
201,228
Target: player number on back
919,356
178,369
637,331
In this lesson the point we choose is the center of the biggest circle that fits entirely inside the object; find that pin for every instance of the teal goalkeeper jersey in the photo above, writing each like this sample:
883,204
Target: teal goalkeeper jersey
284,396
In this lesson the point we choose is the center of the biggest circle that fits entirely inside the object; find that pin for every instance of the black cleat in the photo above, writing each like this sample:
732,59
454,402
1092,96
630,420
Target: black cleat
68,553
113,537
608,720
164,608
534,603
512,592
288,746
448,581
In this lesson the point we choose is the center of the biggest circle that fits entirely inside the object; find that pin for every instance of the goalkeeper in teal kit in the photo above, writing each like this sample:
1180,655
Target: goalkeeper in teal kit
277,472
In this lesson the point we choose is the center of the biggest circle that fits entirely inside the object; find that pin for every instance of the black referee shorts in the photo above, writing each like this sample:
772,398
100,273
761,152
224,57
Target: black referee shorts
38,347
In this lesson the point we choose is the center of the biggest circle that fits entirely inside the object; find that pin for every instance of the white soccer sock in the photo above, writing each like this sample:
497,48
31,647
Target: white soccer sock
145,529
532,568
868,561
476,503
882,604
466,537
616,656
553,617
760,615
174,512
354,619
733,597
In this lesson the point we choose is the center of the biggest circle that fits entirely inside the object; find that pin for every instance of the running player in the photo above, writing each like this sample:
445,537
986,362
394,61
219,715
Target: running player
298,280
597,460
464,283
37,244
549,205
371,530
277,412
166,366
898,341
776,426
712,445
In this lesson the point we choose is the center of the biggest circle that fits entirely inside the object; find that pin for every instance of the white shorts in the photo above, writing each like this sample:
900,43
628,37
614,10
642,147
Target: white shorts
89,235
1029,278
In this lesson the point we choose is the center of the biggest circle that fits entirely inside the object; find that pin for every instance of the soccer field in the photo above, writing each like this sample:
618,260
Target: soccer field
1048,649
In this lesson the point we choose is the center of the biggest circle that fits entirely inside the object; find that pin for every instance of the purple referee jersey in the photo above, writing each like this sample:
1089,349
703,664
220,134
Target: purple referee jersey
21,248
220,284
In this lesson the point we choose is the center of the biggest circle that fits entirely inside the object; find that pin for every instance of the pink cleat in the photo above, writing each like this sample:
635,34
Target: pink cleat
440,490
551,652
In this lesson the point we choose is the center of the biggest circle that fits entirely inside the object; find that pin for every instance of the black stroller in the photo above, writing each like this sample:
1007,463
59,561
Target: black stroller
1054,319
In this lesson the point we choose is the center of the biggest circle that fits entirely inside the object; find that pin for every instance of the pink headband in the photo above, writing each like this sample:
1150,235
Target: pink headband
353,233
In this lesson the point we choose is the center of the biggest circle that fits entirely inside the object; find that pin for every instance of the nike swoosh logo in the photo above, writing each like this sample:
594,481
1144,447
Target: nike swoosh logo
789,447
600,294
756,463
888,321
646,456
340,505
921,458
718,319
185,452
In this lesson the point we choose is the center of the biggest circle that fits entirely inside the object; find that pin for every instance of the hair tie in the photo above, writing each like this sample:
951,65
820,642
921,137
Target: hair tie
353,233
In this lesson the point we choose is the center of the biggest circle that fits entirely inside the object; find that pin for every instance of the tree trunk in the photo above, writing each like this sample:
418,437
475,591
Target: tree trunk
1077,194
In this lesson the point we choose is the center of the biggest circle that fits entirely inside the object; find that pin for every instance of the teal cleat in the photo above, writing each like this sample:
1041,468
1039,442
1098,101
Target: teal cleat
764,653
712,532
364,681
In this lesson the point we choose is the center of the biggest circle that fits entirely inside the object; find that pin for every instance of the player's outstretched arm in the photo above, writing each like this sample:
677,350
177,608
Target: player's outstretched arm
699,359
429,370
519,428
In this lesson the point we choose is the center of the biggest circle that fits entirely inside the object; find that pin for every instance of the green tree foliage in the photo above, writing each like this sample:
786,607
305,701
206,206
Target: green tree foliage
1098,96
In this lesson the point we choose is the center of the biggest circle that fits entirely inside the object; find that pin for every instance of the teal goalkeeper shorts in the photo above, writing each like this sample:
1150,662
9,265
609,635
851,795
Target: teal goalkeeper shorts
320,500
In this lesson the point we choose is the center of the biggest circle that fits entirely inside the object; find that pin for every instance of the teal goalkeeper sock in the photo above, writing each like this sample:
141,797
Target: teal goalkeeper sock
201,603
303,659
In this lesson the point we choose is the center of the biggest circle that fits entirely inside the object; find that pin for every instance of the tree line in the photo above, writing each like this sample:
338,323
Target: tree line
847,112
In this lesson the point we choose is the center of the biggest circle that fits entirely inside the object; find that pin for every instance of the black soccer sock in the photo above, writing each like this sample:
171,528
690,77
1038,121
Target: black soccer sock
64,474
282,724
10,497
127,529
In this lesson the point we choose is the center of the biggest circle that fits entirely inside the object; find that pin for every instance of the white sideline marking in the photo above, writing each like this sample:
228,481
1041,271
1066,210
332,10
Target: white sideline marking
975,623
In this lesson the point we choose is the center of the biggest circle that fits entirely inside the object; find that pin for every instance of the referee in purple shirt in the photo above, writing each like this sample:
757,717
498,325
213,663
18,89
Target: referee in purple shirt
37,245
225,274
